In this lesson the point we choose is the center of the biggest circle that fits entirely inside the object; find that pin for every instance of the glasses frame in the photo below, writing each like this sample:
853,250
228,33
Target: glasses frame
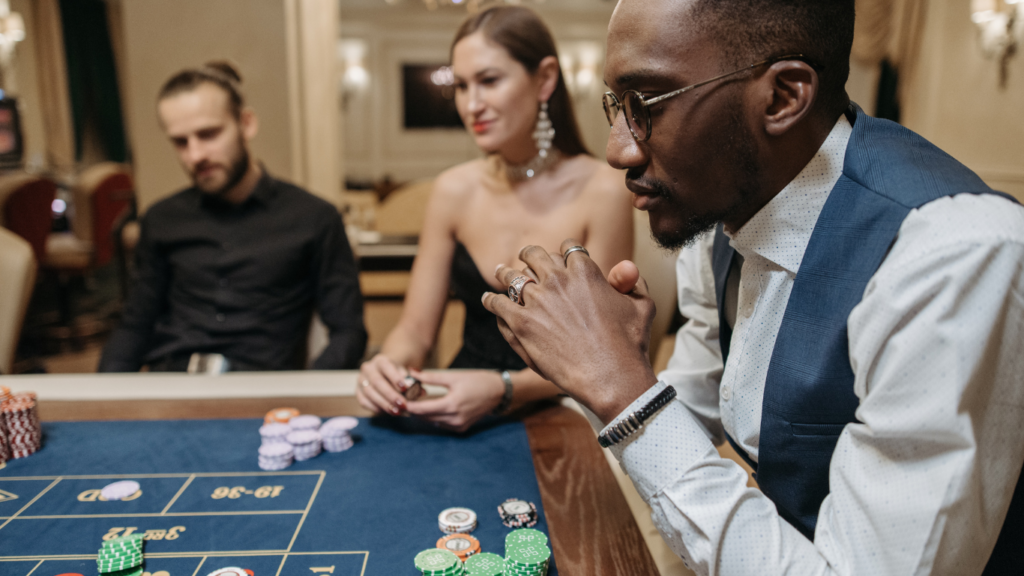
619,106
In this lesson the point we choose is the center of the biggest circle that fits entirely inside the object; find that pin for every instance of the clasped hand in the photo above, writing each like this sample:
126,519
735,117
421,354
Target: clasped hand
586,333
471,395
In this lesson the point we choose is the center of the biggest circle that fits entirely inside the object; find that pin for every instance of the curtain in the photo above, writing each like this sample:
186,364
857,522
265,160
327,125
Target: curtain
888,34
92,76
53,85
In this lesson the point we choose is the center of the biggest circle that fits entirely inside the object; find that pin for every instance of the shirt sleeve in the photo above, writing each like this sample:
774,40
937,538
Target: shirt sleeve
131,341
922,482
339,300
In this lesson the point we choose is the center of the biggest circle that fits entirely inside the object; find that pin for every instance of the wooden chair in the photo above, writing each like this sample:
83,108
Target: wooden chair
17,279
403,211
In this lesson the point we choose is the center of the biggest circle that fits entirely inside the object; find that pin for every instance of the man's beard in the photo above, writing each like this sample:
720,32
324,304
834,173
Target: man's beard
236,172
739,147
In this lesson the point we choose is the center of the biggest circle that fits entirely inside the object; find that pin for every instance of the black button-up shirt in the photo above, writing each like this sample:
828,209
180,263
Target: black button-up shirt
241,281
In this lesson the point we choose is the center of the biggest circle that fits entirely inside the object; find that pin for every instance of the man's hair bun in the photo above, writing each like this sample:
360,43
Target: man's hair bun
226,68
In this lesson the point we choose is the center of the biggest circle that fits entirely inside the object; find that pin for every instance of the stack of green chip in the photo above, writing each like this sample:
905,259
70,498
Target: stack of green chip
485,564
527,558
523,536
438,562
121,556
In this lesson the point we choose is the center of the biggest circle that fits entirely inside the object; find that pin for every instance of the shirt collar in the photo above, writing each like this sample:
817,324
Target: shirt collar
780,231
262,193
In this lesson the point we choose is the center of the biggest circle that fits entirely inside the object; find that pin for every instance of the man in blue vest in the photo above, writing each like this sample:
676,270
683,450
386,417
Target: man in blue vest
855,305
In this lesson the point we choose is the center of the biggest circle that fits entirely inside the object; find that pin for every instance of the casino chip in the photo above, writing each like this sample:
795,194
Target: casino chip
274,432
21,434
413,388
120,490
305,422
306,444
527,553
463,545
516,513
229,571
335,433
121,556
485,564
276,456
280,415
437,562
456,521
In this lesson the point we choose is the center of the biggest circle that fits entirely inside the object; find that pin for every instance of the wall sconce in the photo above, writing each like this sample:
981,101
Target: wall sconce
1000,30
354,77
581,62
12,31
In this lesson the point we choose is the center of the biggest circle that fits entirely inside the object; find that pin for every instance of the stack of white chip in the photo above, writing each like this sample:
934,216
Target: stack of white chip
275,455
335,433
456,520
305,444
120,490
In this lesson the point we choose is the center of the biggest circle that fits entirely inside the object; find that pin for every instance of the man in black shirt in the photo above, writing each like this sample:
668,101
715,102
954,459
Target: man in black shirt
235,264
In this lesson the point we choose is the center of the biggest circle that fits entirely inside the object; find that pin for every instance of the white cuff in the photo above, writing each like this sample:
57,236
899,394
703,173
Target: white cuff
668,445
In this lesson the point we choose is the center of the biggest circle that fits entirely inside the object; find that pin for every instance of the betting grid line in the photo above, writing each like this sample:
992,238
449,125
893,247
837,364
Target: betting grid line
34,568
306,513
201,562
158,514
191,477
167,475
366,560
32,501
222,553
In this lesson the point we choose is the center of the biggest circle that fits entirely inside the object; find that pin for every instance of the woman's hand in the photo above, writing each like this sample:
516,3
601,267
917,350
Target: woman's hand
380,386
472,394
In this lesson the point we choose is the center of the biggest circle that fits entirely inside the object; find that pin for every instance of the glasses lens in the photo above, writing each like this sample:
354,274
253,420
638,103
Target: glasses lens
611,107
636,114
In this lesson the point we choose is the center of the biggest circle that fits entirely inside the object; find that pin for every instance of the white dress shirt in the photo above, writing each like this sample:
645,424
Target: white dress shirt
921,483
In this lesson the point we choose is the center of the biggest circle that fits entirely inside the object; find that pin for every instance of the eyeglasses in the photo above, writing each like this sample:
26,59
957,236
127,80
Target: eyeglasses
638,117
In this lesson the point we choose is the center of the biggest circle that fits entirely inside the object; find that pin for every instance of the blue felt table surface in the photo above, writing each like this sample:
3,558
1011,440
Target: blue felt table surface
207,504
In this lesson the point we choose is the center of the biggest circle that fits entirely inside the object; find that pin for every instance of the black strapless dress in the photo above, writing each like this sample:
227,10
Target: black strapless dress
483,346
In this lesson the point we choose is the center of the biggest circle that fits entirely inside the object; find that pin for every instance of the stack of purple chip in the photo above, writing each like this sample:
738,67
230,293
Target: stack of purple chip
274,432
305,444
304,422
335,433
275,456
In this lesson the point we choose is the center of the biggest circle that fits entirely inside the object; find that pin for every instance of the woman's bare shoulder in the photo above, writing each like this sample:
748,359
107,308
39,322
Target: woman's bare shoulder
458,182
604,180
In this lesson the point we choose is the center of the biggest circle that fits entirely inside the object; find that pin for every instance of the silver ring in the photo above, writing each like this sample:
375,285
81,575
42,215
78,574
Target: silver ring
364,383
515,289
565,255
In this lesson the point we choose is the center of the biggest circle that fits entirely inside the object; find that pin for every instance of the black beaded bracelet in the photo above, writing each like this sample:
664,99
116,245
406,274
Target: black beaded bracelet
633,421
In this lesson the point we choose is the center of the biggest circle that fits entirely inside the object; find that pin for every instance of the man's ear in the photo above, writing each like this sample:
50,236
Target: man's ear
249,123
790,90
547,74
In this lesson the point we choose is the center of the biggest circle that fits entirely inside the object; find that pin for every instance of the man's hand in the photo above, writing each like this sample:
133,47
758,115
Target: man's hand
587,334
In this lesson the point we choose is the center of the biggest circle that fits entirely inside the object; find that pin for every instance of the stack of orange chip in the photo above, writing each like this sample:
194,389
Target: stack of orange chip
281,415
462,545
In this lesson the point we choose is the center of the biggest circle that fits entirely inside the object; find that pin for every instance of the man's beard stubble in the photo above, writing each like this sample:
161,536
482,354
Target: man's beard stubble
739,146
236,172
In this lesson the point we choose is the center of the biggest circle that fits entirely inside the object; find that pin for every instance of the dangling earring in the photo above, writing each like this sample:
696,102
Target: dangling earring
545,132
547,155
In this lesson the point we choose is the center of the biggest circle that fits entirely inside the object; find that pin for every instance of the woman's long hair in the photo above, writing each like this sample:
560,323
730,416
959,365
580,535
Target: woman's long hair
522,33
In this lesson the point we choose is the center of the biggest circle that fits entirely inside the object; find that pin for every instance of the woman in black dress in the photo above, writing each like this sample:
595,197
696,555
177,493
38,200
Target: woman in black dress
532,187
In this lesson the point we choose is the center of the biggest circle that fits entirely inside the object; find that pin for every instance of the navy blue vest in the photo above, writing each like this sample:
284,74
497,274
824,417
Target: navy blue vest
808,394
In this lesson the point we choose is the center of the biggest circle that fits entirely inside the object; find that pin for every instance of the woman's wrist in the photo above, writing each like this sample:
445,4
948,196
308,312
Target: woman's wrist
506,397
